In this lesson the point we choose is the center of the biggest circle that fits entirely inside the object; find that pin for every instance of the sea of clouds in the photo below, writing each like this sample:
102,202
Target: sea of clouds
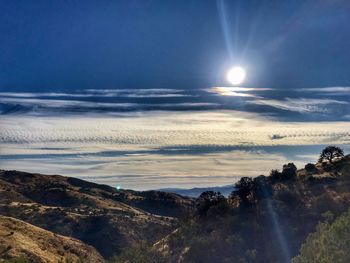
149,139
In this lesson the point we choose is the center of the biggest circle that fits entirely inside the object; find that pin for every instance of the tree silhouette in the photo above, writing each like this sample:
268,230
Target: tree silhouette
210,199
262,187
330,153
289,171
244,188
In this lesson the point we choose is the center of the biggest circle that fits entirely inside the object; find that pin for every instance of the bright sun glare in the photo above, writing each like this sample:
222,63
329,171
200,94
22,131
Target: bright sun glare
236,75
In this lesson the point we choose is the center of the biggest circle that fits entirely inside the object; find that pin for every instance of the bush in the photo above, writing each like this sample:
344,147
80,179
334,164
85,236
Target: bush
330,243
140,254
289,171
311,168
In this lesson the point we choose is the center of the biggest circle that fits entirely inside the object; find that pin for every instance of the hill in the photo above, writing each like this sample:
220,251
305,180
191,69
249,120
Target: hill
153,226
99,215
266,219
20,239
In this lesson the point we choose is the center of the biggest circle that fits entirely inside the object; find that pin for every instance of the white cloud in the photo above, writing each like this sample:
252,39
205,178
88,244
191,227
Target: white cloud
158,149
132,93
330,90
301,105
170,128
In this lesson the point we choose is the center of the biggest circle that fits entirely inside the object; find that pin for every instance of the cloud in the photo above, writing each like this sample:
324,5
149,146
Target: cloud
45,106
301,105
131,93
152,150
330,90
153,171
169,128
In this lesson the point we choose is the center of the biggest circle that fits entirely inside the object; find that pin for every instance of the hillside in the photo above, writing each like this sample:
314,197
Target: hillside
20,239
99,215
152,226
266,219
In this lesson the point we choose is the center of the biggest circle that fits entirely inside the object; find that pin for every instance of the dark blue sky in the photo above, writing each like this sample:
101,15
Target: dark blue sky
59,45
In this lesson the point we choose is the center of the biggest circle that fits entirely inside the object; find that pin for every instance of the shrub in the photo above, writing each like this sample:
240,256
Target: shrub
289,171
330,243
310,167
140,254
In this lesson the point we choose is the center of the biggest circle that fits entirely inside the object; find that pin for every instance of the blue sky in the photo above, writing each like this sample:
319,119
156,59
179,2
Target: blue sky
134,93
61,45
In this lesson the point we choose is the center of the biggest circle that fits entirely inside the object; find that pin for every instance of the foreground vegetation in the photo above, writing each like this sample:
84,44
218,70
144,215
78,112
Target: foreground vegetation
330,243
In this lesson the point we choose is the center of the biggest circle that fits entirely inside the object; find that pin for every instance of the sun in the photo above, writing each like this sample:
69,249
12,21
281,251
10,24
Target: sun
236,75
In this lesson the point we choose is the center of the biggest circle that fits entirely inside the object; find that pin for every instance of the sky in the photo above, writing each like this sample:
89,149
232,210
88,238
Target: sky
134,93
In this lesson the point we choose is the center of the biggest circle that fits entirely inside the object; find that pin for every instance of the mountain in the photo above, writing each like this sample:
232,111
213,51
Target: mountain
20,239
195,192
98,215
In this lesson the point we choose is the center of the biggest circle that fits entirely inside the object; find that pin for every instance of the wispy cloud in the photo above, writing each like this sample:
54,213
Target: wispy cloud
152,150
44,105
330,90
89,93
171,128
301,105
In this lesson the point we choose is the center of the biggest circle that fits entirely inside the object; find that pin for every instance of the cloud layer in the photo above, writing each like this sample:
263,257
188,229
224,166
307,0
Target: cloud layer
155,138
160,149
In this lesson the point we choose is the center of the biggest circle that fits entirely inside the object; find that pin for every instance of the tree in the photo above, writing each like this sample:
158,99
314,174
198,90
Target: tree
210,199
262,187
244,188
275,175
330,153
289,171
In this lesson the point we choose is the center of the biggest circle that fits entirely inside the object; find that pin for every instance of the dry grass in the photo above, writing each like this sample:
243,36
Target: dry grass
18,238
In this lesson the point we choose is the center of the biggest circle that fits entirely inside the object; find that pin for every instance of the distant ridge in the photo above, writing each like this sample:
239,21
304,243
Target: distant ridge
196,191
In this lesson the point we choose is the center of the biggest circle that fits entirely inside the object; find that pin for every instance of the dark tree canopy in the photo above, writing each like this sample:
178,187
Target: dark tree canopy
310,167
262,187
330,153
210,199
244,188
289,171
275,175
